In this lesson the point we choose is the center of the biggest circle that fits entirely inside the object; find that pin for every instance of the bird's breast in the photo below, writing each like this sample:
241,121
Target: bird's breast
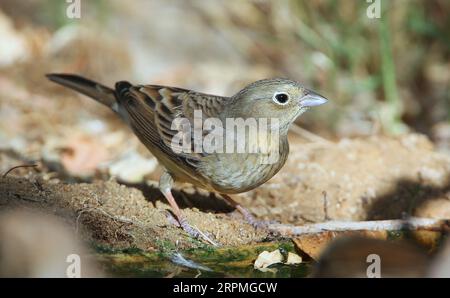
241,172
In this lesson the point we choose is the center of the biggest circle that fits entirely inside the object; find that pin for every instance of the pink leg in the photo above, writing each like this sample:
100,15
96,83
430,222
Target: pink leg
180,218
165,185
247,215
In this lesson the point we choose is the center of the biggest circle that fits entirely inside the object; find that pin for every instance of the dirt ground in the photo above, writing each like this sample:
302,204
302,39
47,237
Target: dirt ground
75,180
370,178
94,174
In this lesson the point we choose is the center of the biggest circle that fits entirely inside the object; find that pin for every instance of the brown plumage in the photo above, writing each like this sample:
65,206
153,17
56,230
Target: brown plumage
150,110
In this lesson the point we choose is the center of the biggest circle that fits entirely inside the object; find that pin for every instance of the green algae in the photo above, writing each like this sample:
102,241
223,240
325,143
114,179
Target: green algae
215,262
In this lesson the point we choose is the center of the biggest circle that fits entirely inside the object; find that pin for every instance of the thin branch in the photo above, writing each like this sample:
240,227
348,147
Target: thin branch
179,259
413,223
325,206
206,237
307,135
17,167
115,218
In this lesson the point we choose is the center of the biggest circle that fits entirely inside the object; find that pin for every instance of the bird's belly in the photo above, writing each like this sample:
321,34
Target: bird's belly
236,173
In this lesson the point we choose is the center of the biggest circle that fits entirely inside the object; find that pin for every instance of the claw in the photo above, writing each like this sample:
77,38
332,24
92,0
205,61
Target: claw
194,232
172,220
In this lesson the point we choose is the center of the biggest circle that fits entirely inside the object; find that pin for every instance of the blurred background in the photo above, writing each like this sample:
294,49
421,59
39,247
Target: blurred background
385,76
388,74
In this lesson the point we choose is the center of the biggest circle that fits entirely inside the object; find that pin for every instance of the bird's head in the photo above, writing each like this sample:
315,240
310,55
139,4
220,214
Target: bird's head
274,98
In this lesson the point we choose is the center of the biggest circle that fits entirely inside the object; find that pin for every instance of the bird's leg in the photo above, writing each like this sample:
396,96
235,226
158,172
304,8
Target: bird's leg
247,215
165,186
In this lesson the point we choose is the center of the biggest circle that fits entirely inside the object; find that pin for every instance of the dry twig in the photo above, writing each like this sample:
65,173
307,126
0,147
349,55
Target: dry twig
413,223
17,167
307,135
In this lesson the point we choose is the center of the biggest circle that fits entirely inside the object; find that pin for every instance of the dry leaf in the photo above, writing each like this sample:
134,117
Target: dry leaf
313,244
82,156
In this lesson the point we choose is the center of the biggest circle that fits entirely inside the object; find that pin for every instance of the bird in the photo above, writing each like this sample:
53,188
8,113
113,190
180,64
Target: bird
151,111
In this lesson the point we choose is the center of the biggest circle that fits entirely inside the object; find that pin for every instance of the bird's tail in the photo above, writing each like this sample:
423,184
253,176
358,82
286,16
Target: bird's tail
99,92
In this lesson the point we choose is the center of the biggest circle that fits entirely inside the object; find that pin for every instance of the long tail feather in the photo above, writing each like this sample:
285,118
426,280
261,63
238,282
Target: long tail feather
99,92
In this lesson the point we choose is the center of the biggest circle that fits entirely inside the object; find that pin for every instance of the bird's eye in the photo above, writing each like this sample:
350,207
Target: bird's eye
281,98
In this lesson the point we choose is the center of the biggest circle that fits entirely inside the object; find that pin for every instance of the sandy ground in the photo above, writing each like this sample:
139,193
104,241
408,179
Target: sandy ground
371,178
77,143
95,182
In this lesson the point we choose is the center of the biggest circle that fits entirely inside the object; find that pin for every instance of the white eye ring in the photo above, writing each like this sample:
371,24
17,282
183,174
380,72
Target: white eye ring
281,98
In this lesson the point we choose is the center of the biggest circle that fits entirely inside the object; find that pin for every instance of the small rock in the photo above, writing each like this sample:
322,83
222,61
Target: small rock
293,259
265,259
430,174
132,168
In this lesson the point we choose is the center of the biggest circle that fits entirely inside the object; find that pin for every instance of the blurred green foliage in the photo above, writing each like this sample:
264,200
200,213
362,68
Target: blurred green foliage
379,73
381,66
386,75
53,12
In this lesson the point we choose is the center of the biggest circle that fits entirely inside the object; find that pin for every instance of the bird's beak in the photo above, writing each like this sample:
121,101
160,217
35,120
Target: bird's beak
312,99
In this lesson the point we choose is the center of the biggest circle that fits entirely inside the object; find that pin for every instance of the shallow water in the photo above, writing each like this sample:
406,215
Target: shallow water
199,262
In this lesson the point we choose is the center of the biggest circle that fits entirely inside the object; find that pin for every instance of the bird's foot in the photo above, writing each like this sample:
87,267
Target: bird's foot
257,224
194,232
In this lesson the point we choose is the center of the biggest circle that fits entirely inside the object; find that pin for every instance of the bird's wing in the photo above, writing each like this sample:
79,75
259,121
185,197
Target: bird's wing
152,109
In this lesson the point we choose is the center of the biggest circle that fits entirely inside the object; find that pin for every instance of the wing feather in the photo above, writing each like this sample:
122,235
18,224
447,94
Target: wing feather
152,109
